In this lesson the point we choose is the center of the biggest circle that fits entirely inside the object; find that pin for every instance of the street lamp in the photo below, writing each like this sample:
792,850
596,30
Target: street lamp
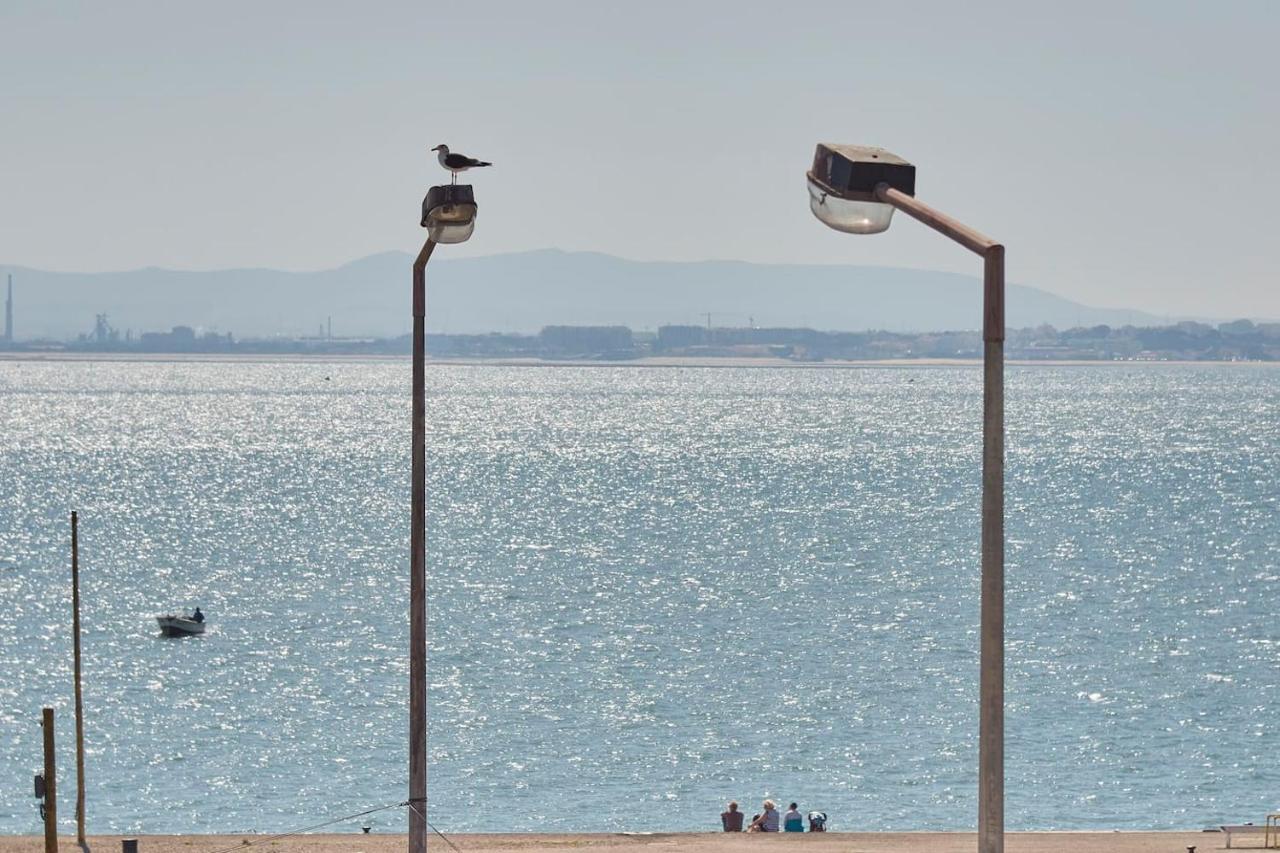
842,187
856,189
449,215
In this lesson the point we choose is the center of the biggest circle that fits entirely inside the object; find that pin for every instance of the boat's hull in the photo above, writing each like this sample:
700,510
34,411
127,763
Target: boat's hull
179,626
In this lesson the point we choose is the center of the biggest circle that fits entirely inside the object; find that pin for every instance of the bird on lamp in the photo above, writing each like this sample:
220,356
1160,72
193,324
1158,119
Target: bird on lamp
456,163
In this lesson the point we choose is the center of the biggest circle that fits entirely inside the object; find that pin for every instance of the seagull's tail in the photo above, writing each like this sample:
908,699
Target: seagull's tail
481,164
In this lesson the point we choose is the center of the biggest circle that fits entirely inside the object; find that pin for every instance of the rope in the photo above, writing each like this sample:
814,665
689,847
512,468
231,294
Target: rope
248,843
410,804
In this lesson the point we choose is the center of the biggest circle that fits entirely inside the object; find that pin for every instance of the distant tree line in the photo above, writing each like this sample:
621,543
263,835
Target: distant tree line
1190,341
1237,340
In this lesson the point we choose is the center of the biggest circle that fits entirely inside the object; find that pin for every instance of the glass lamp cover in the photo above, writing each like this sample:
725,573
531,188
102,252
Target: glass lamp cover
452,213
851,217
451,223
450,232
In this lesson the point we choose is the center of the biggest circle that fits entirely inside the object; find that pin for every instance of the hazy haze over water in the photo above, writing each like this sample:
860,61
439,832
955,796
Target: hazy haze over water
652,590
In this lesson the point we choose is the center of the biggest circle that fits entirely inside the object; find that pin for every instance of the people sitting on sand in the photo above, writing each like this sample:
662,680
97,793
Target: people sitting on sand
767,821
817,821
732,819
197,616
793,821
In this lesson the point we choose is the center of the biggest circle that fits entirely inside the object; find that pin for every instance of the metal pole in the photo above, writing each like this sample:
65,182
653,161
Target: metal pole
974,241
991,630
75,633
418,569
50,785
991,714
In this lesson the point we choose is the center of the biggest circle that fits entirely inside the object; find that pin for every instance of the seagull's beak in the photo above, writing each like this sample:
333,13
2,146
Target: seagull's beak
437,148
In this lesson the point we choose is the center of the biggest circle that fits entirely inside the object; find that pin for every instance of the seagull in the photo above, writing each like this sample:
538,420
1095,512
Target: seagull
456,162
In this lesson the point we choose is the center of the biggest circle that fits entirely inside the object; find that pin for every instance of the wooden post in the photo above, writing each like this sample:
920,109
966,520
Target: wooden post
75,633
418,568
50,786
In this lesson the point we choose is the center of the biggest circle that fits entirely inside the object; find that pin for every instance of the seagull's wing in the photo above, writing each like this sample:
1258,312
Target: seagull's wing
457,161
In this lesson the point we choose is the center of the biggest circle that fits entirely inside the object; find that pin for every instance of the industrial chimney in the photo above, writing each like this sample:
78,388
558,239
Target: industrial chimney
8,313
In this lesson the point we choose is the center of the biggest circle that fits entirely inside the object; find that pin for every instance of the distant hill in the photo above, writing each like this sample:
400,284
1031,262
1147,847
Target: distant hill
525,291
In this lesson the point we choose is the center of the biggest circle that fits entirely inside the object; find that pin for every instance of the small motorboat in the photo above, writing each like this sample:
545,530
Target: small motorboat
180,626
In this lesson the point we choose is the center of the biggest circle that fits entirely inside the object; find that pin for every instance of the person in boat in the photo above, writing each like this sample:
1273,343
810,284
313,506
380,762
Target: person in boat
197,616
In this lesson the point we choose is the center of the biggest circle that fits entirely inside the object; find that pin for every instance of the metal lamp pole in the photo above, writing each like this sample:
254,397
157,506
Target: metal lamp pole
991,713
449,215
418,568
855,189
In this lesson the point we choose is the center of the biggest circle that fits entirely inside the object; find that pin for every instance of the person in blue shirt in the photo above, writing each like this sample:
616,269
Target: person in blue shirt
793,821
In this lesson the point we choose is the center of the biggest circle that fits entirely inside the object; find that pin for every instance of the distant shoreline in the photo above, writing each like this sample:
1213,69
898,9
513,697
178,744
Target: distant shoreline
653,361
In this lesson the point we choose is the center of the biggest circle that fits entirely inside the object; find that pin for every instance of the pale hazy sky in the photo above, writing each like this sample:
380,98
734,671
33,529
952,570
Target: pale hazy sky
1125,152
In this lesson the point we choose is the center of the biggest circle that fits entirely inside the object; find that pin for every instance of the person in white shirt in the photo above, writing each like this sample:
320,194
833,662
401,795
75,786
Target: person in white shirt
767,821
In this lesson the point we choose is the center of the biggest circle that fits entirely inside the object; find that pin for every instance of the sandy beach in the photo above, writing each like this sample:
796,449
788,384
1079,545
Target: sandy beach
829,842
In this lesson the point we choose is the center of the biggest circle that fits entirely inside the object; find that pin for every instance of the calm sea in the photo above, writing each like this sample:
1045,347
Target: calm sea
652,590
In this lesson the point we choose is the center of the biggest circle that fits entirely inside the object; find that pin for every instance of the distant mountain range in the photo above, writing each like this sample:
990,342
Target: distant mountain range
525,291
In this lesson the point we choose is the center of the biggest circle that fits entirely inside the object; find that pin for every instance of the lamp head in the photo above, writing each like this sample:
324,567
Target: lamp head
843,181
449,213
